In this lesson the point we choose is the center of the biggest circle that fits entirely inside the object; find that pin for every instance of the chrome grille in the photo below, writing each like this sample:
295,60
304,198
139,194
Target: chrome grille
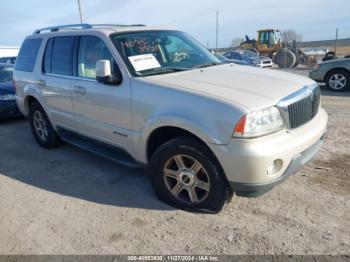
299,108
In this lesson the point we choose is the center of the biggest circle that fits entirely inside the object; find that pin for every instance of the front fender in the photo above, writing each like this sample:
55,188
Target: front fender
171,120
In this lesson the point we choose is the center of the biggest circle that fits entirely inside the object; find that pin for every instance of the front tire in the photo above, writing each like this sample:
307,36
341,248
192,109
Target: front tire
186,175
41,127
338,80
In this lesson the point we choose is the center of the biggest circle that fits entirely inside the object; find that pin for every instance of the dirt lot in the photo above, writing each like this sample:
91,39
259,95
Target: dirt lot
68,201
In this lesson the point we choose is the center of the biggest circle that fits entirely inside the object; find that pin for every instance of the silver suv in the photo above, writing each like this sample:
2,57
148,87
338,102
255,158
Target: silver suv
149,97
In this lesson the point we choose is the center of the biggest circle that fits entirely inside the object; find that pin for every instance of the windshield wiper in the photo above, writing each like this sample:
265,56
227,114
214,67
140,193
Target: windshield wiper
207,65
165,70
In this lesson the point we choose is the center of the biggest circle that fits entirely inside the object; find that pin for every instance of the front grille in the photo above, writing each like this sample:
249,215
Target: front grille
304,109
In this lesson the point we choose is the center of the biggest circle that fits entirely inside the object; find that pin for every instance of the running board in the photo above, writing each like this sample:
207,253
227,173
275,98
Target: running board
112,153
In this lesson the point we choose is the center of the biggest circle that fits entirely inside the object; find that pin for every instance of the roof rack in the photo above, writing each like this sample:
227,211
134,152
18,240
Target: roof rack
79,26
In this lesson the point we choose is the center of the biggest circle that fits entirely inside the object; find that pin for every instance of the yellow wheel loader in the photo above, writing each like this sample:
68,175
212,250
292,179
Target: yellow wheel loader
283,54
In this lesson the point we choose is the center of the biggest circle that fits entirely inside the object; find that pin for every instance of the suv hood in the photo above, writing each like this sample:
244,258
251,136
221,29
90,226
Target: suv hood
251,87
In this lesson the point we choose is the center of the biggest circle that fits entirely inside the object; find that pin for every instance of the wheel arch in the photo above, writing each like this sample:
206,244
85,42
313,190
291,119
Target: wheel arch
28,100
334,69
162,134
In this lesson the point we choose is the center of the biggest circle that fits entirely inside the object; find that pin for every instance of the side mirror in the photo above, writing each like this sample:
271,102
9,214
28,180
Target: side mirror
104,73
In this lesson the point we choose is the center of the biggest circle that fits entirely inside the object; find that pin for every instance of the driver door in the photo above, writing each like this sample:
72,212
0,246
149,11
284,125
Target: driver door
102,111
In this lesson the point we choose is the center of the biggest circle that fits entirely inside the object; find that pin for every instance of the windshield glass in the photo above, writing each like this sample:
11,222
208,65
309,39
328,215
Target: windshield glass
249,54
157,52
6,73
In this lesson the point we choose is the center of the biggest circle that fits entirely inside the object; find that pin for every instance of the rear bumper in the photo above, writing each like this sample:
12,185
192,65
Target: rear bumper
9,109
258,189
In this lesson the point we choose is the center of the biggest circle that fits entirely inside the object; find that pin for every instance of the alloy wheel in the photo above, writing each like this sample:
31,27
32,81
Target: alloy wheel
186,179
40,126
337,81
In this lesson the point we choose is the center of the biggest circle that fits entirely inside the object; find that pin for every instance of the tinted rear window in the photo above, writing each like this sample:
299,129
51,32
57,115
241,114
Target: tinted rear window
62,56
27,55
47,56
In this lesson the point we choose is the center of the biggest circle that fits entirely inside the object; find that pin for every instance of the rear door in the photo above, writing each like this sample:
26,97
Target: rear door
102,111
55,80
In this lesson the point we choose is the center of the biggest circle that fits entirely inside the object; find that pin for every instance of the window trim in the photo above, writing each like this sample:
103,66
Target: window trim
74,68
75,58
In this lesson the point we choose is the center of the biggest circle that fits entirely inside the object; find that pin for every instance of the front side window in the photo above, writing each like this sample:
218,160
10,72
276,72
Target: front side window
91,49
27,55
6,73
157,52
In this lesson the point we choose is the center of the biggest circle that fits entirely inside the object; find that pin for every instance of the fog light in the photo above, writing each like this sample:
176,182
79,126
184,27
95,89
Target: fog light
274,167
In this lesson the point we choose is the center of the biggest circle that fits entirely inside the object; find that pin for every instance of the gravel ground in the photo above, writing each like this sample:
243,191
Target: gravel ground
68,201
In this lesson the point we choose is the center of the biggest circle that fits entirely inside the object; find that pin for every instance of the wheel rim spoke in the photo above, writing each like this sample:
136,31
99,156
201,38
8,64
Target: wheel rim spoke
170,173
179,162
193,195
203,185
196,167
177,189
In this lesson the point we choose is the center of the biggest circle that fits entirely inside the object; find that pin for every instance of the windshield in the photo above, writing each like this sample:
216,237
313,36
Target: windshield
249,54
157,52
6,73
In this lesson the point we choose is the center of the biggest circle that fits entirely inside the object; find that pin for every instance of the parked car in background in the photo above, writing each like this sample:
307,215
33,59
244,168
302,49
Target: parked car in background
151,97
226,60
335,73
250,57
8,105
8,60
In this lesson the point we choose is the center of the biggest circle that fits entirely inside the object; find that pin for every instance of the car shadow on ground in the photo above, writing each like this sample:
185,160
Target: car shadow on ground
327,92
72,172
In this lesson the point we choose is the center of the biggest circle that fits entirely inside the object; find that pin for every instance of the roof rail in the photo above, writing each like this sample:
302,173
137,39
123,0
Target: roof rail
79,26
58,27
116,25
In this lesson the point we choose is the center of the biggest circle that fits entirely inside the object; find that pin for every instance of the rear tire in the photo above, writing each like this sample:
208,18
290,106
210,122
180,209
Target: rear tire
186,175
41,127
285,58
338,80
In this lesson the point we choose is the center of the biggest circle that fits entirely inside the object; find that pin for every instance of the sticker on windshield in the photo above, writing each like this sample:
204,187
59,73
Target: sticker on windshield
144,62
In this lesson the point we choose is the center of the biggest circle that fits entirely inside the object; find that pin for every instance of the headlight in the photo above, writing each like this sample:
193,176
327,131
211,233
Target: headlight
316,66
7,97
259,123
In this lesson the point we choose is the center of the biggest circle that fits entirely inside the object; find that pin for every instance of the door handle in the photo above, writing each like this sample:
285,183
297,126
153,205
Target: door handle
41,83
79,90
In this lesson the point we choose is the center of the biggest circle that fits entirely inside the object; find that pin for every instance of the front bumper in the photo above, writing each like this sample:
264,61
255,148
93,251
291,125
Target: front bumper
247,162
317,75
9,108
258,189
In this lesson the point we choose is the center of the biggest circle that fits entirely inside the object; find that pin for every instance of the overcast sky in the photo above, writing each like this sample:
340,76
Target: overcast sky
314,19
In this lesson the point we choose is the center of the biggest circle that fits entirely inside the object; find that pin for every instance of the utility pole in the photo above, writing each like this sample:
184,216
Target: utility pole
336,40
81,15
217,30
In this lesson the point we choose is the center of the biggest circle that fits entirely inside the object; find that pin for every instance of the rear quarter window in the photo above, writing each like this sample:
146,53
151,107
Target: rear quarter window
27,55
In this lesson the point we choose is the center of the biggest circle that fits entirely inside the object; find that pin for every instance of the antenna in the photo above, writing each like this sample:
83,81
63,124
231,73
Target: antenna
217,30
336,40
80,14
